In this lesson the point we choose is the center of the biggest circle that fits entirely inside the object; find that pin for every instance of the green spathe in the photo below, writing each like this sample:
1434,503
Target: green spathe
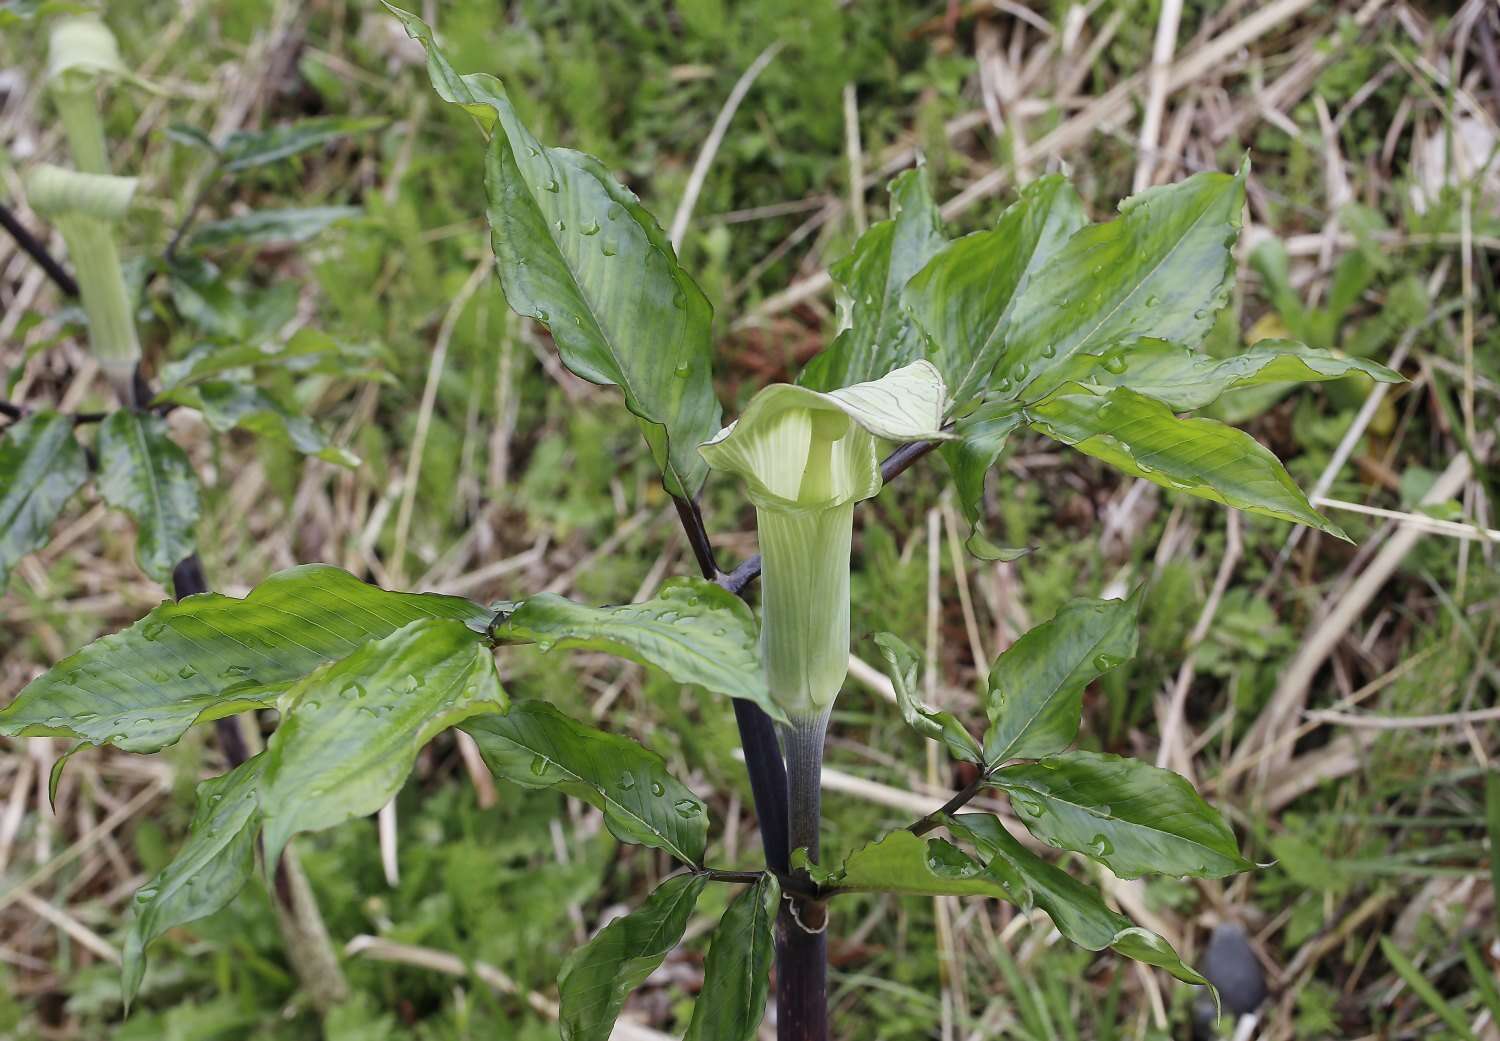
806,458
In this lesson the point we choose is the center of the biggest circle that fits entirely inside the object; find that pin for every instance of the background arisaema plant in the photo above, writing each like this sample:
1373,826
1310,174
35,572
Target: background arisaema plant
1086,333
137,466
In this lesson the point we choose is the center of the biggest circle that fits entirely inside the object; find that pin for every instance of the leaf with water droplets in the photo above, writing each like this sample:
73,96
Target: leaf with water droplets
737,971
641,801
41,466
210,656
634,315
694,631
598,977
1078,911
333,758
1141,436
212,866
1151,820
964,298
143,472
911,865
1036,686
879,335
1185,379
1163,268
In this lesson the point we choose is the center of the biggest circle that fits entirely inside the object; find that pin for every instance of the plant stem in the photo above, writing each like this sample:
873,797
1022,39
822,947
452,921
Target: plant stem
801,937
38,252
933,819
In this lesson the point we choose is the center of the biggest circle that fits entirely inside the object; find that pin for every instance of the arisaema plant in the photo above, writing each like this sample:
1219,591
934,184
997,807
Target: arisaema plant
1086,333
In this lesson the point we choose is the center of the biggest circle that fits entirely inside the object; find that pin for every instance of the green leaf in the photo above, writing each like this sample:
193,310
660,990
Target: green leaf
536,746
1185,379
1163,268
1036,686
598,977
1201,457
41,467
244,149
980,438
694,631
880,335
308,352
209,656
737,970
965,299
1078,911
1135,818
209,870
351,730
143,472
228,404
910,865
275,226
576,251
902,664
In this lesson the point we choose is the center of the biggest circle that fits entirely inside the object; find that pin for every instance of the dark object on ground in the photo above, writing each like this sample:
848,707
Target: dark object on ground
1231,966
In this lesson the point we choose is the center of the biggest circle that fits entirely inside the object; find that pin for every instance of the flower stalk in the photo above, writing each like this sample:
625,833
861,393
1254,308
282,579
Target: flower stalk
806,458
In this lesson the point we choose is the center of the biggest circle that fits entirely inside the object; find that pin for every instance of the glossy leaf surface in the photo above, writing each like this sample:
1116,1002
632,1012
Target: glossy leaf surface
1186,379
351,730
737,971
980,437
694,631
1036,686
576,251
41,467
880,335
1078,911
1132,817
536,746
209,870
964,299
209,656
1201,457
903,666
1163,268
598,977
911,865
143,472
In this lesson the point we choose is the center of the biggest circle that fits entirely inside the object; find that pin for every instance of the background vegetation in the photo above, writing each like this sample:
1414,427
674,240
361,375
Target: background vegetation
1339,701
